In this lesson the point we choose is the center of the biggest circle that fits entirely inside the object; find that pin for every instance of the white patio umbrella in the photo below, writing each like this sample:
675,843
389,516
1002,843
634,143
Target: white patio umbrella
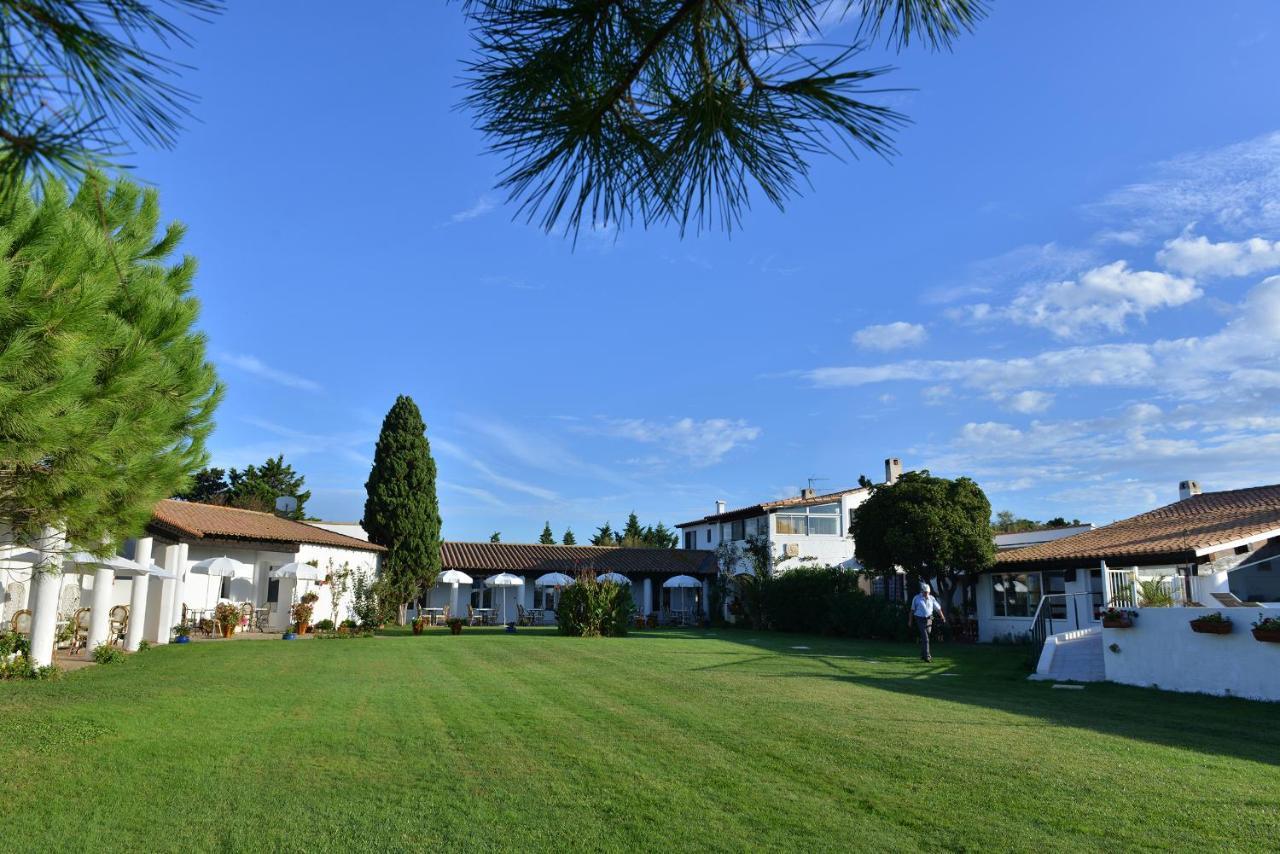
24,556
553,579
222,567
299,571
682,582
453,578
503,580
613,578
83,562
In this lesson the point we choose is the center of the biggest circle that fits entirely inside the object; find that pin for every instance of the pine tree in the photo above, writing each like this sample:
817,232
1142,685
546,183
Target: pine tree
569,539
106,398
495,537
401,511
547,538
661,537
633,534
604,536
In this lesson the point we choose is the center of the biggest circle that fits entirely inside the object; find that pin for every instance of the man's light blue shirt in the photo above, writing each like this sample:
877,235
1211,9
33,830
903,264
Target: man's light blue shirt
924,606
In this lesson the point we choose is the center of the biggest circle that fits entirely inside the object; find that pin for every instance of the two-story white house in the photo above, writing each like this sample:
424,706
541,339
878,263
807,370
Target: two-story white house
810,529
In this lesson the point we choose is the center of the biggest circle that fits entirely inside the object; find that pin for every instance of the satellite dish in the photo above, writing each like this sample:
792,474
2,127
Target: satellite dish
286,504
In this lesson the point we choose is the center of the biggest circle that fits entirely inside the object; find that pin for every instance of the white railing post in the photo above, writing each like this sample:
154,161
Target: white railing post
1107,593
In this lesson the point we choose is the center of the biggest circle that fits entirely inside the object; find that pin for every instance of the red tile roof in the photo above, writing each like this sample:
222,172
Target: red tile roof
765,506
1170,534
534,558
193,520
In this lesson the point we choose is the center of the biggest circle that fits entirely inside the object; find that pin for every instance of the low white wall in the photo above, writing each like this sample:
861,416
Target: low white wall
1161,651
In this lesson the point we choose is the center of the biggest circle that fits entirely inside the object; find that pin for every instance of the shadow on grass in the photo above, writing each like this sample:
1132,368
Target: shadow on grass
995,678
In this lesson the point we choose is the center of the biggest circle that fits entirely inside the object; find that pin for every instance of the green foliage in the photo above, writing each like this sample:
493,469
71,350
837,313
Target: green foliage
106,398
569,539
495,537
636,536
373,601
605,536
329,634
401,511
932,527
324,626
182,630
12,642
107,654
77,77
255,488
1155,592
1007,523
15,662
144,645
227,614
827,601
589,608
1215,617
547,538
301,614
1267,623
674,111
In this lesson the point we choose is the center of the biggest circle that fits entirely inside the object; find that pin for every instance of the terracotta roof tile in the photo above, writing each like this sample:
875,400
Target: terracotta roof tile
765,506
200,521
1172,533
535,558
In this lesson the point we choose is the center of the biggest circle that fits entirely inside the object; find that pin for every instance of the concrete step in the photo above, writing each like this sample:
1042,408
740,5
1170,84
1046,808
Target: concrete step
1076,660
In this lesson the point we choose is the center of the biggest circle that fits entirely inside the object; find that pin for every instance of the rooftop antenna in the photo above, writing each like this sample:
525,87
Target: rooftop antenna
814,480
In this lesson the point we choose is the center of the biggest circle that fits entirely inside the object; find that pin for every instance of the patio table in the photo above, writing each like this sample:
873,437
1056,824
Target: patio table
483,614
435,616
535,616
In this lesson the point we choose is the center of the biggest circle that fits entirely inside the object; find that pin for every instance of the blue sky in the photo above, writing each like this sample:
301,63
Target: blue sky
1059,287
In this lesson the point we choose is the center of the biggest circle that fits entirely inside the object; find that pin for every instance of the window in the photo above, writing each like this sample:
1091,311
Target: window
273,590
224,591
821,519
544,597
738,529
708,535
690,539
481,596
853,511
759,526
1015,595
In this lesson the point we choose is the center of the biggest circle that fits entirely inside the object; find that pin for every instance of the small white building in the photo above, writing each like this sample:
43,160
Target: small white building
807,530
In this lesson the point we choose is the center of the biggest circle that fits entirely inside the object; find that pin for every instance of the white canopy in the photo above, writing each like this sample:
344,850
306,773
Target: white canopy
24,556
453,576
504,579
83,562
742,570
222,567
300,571
553,579
613,578
682,581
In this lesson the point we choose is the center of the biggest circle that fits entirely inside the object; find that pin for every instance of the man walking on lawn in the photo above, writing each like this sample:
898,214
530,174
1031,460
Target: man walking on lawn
923,607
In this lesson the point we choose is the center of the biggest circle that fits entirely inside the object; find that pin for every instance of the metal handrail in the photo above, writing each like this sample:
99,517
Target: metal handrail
1042,620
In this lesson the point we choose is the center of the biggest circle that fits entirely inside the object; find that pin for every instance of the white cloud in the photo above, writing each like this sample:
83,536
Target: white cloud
1236,189
1027,402
479,208
1102,298
1197,256
1038,262
890,336
701,442
488,473
258,368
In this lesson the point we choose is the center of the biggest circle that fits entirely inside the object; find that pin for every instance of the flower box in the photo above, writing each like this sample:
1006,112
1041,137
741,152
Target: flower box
1117,623
1211,627
1267,635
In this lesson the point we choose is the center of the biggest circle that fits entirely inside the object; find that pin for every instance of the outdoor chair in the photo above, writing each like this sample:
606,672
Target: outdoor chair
471,615
21,622
79,630
205,626
444,616
246,615
522,618
117,623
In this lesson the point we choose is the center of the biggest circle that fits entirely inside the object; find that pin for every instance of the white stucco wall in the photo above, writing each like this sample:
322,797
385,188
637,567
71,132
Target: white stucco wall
1161,651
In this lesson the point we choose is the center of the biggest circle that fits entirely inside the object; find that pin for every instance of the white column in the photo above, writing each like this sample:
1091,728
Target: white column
46,585
103,578
1106,586
180,585
648,595
138,590
453,599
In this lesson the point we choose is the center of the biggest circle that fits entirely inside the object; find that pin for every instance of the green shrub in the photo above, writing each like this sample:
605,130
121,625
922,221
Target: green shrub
827,601
11,642
324,626
144,645
1154,592
590,609
107,654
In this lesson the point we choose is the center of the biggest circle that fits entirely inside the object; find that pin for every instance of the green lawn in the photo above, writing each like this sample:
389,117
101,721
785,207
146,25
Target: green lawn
661,740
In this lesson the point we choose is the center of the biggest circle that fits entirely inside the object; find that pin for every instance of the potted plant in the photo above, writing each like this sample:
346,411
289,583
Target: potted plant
1212,624
301,614
455,625
289,634
1114,618
1267,629
227,616
418,624
182,633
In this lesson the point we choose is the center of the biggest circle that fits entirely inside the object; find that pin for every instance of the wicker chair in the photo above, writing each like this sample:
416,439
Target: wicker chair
246,615
117,623
522,619
21,622
79,630
444,616
471,616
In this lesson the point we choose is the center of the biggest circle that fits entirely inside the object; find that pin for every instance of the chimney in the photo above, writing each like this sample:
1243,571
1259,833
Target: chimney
719,507
1187,488
892,470
807,492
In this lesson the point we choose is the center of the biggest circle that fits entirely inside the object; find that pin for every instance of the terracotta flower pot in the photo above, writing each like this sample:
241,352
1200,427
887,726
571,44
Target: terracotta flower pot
455,630
303,628
228,631
417,627
1117,623
1267,635
1210,627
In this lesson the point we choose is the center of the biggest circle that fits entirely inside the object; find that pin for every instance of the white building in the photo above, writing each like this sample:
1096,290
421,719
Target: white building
1214,552
807,530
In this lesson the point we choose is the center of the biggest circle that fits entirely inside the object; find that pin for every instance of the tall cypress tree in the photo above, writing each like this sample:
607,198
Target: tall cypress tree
569,538
547,538
401,511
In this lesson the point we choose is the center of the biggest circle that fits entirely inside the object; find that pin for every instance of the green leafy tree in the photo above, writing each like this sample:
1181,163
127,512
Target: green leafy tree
605,536
931,527
679,111
661,537
401,511
633,536
208,486
77,78
547,538
106,398
258,487
495,537
569,539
